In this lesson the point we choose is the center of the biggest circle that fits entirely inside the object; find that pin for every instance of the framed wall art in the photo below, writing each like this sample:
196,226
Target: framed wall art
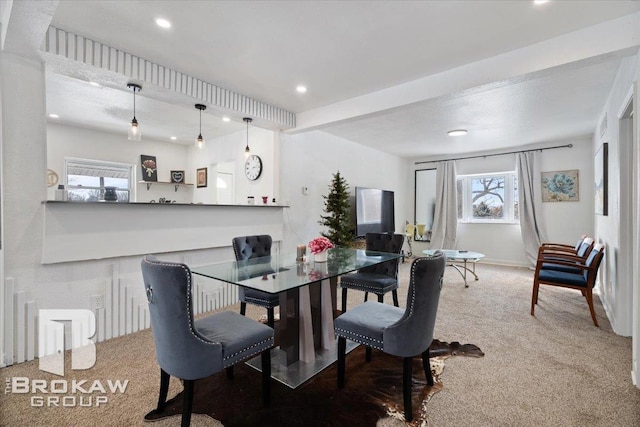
601,180
201,177
560,186
177,177
149,168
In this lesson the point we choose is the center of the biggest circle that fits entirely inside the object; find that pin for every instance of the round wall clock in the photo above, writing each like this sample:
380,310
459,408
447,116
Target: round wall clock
253,167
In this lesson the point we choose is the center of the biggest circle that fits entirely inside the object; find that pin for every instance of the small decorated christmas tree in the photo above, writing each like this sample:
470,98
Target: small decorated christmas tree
338,216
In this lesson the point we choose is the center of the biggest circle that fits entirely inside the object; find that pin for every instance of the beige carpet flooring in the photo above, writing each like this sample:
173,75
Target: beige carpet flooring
555,369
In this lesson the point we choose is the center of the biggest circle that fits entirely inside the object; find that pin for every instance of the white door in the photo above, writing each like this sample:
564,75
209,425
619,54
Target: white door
224,188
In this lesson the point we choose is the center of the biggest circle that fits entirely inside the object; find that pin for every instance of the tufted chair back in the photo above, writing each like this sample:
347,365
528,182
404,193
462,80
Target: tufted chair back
180,349
384,242
247,247
413,333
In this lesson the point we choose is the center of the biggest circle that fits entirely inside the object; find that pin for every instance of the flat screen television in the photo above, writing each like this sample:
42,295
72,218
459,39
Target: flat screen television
374,211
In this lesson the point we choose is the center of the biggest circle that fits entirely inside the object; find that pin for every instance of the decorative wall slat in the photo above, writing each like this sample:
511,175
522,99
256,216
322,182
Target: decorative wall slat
125,311
71,46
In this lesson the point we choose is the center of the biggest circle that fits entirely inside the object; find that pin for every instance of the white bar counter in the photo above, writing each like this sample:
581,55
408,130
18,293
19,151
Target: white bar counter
78,231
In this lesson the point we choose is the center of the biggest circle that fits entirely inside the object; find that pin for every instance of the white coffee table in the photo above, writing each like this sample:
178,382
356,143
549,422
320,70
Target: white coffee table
459,260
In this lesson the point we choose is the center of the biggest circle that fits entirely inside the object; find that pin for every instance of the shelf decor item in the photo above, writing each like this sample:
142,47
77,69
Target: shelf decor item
319,247
177,177
149,168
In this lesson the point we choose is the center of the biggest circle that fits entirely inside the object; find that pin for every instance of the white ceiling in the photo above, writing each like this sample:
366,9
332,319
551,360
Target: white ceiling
342,50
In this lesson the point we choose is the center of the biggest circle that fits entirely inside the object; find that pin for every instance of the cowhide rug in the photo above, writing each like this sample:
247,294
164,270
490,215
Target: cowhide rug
372,392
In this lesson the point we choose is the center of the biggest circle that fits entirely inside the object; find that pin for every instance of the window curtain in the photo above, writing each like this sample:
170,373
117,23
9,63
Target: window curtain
529,206
445,218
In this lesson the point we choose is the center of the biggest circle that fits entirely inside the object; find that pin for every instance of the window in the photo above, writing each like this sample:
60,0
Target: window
488,198
87,179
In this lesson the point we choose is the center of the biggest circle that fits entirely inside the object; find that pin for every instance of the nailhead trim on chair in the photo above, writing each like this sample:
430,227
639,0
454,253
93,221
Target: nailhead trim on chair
259,302
233,356
369,288
350,335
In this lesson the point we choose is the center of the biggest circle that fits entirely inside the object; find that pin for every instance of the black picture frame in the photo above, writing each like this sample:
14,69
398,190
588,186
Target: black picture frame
149,168
601,180
177,177
201,177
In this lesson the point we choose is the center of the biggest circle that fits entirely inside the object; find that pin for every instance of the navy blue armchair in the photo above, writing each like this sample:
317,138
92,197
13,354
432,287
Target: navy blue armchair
192,349
401,332
576,275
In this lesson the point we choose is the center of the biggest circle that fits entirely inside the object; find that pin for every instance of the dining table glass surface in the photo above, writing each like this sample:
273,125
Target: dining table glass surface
280,272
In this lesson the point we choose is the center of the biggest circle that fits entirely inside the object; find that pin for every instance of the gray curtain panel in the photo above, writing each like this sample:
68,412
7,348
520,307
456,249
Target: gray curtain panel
531,222
445,218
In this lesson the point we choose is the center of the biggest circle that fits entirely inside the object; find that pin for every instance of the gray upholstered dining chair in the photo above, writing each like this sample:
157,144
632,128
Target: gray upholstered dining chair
189,349
401,332
380,278
247,247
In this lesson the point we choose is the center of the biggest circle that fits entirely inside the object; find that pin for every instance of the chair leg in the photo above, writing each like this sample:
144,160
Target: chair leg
366,295
342,350
380,297
427,367
187,404
590,302
270,317
367,354
344,300
266,377
164,389
229,371
534,295
395,297
243,308
407,367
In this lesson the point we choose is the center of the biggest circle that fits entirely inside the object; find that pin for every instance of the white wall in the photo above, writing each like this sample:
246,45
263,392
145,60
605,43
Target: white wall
310,159
613,230
563,222
230,148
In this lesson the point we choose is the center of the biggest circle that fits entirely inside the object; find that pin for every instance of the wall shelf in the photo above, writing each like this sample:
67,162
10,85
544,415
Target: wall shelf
175,185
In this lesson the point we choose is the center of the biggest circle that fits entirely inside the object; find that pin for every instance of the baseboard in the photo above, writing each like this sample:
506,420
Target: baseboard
634,380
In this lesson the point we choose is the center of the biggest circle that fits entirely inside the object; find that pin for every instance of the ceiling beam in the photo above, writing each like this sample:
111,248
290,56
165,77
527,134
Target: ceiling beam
614,36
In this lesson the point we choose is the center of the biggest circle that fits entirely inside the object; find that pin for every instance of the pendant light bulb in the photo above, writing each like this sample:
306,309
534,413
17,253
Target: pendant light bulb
247,120
134,133
200,142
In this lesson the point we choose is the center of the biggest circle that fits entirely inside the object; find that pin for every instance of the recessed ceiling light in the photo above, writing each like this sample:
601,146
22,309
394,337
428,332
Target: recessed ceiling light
163,23
540,1
54,116
457,132
301,89
173,138
226,119
96,84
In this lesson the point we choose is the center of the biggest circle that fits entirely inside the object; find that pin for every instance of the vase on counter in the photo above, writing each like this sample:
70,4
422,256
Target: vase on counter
320,256
110,194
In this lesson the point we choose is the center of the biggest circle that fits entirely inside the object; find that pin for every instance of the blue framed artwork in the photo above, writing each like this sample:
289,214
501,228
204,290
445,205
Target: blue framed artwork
560,186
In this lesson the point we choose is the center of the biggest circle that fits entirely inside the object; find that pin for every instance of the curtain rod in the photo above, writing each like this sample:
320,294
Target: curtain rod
496,154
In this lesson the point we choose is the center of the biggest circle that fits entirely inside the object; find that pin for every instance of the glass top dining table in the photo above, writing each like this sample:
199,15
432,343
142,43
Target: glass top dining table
304,332
279,273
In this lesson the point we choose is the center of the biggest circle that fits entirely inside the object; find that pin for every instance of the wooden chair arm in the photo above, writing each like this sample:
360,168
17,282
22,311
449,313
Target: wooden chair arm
560,256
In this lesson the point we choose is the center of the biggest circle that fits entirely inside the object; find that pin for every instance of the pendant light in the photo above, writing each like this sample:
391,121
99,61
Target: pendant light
247,121
134,128
200,142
